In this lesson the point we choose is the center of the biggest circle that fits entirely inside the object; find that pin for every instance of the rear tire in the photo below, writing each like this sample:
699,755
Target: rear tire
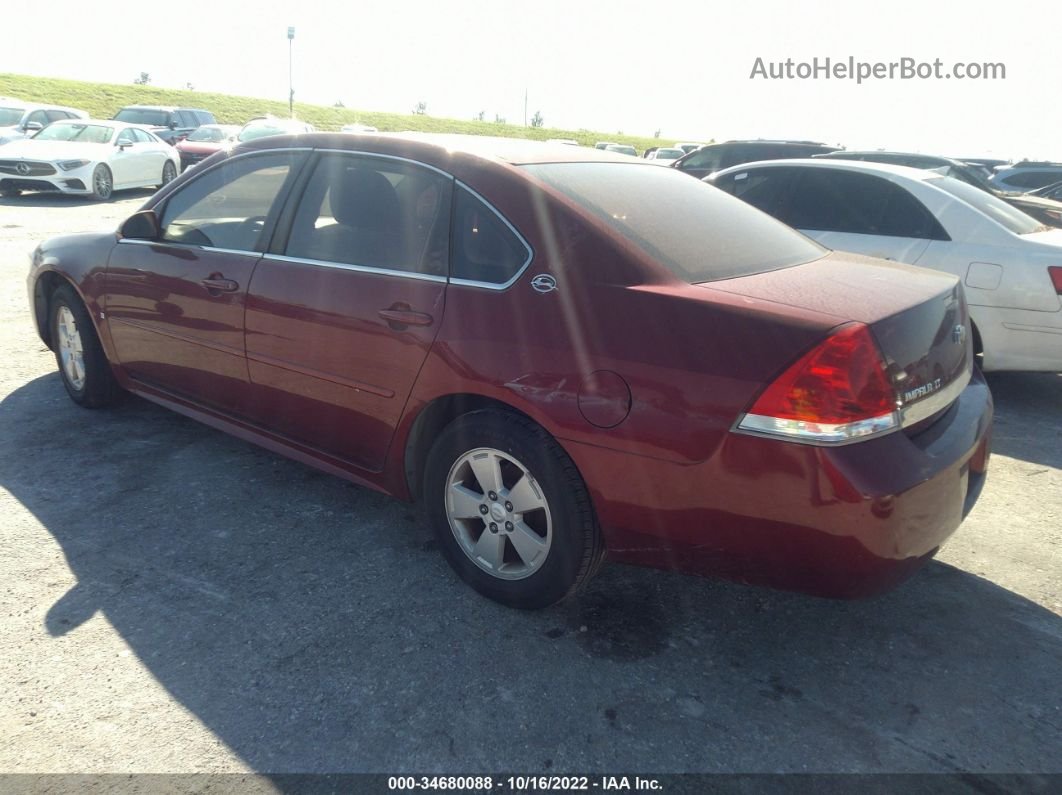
83,366
510,510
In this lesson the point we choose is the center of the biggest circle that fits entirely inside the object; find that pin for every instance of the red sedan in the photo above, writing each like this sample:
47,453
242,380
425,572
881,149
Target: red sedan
562,353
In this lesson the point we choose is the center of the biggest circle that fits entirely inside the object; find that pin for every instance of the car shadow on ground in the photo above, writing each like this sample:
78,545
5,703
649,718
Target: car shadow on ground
312,626
1022,401
59,200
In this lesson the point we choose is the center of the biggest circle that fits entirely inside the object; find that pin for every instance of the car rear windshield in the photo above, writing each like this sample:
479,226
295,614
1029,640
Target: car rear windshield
698,232
9,117
154,118
1010,218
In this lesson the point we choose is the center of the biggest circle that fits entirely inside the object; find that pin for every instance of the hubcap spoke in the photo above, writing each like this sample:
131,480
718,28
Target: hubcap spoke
71,352
528,544
464,503
490,549
524,496
487,469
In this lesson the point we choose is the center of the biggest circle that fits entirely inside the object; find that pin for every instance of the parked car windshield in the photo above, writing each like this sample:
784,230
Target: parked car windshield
82,133
1010,218
10,116
698,232
153,118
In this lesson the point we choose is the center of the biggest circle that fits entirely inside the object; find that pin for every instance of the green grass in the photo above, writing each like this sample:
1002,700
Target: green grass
103,100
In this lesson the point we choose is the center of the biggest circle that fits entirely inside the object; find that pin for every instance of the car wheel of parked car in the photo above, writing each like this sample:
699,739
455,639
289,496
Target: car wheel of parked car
82,364
102,183
510,510
169,173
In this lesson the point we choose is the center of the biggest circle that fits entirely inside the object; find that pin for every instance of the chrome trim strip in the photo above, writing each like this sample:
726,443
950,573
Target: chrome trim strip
427,277
186,246
220,347
818,433
914,413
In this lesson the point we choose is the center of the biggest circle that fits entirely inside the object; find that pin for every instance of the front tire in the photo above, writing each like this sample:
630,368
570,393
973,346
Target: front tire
83,365
169,173
510,510
102,183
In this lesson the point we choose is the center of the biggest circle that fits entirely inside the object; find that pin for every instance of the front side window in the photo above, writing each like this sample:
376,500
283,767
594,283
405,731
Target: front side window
125,137
707,158
374,213
186,118
58,115
227,206
38,116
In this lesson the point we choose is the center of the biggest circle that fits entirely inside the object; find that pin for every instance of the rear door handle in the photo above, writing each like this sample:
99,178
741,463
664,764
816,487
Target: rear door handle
218,284
405,317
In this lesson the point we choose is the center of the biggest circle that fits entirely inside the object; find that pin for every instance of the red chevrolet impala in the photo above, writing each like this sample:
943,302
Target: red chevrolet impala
562,353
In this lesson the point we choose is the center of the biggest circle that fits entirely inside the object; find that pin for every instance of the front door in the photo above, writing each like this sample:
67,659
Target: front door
175,306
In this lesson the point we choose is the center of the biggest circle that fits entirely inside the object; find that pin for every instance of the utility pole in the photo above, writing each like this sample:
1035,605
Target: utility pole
525,106
291,89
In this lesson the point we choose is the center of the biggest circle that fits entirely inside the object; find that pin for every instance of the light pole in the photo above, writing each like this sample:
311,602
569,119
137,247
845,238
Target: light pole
291,89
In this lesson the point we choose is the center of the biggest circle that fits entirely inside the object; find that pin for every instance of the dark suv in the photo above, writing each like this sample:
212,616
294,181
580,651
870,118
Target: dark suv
715,157
169,124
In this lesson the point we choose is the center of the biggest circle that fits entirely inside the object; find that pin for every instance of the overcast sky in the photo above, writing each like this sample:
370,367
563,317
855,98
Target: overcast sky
682,67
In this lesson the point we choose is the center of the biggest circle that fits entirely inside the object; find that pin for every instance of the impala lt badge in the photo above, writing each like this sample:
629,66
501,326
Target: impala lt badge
544,283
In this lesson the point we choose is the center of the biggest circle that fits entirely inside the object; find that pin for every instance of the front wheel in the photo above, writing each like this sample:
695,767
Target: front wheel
83,365
510,510
169,173
102,183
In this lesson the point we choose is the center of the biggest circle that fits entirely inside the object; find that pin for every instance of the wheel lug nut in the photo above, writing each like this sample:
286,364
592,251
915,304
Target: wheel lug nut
493,527
483,509
509,526
508,506
493,496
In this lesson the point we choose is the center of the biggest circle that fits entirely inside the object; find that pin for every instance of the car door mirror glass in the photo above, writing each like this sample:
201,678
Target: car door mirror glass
143,225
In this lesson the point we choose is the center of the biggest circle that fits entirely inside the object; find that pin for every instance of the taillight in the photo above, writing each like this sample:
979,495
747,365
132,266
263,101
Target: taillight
837,392
1056,278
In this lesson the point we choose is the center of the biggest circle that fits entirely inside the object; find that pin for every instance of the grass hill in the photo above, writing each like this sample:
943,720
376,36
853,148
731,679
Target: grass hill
103,100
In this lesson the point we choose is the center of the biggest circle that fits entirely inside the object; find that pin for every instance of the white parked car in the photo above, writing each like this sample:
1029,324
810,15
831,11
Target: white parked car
1010,264
665,156
88,157
20,119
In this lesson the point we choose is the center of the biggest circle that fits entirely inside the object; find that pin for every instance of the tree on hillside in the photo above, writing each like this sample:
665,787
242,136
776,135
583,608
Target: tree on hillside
657,133
421,109
537,120
499,119
339,104
143,80
189,87
480,115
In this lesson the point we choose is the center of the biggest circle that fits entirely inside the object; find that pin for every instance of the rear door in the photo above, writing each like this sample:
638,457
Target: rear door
342,312
175,306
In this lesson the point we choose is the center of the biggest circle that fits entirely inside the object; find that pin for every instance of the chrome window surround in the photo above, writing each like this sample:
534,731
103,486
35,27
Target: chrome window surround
365,268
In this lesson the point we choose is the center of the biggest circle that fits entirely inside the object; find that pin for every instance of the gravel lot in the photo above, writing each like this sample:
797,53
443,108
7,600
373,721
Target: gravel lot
175,600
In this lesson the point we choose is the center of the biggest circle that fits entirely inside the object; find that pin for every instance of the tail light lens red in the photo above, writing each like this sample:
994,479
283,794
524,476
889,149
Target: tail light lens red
837,392
1056,278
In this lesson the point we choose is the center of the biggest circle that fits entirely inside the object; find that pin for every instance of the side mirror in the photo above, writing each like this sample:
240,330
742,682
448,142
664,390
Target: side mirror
33,126
143,225
173,125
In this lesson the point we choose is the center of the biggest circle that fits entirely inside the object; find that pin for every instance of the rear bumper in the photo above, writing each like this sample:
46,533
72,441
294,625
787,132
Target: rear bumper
843,521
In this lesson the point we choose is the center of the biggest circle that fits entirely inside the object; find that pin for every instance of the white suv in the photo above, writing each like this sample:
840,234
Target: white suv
20,119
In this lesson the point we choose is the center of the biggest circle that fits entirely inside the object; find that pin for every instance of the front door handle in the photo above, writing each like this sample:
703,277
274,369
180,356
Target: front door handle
216,283
398,319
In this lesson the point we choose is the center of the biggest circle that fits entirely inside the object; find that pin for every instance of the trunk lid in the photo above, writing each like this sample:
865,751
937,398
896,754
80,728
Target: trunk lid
918,318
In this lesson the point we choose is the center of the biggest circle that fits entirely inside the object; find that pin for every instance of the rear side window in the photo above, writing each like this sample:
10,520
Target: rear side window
766,189
227,206
699,233
833,200
486,249
374,213
1007,216
1032,179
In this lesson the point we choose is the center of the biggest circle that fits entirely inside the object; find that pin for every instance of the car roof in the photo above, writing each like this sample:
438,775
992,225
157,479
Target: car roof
160,107
863,166
841,154
515,151
36,105
118,125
